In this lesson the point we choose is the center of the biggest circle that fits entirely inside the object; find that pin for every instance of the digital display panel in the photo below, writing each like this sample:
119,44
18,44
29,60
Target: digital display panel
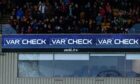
75,43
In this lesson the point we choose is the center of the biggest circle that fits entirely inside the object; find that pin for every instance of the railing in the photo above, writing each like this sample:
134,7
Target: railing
1,40
0,28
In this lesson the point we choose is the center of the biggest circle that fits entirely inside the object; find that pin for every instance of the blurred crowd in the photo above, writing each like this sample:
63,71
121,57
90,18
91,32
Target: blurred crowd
75,16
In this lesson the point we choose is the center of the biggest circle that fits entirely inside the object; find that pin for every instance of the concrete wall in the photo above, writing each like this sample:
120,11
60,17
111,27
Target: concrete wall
8,75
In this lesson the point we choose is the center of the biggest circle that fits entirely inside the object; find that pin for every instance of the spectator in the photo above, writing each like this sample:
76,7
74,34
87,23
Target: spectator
108,10
68,16
19,13
70,10
102,11
30,30
42,9
99,19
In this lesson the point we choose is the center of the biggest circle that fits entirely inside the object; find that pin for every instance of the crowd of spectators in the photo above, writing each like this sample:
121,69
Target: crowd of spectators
75,16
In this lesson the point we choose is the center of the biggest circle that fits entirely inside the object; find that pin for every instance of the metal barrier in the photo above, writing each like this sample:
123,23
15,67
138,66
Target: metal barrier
1,40
99,81
137,81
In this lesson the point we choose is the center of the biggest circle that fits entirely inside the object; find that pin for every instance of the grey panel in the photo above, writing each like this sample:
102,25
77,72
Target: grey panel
8,75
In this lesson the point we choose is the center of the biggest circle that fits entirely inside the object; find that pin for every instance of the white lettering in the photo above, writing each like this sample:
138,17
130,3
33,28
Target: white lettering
80,41
13,42
126,41
58,41
105,41
33,41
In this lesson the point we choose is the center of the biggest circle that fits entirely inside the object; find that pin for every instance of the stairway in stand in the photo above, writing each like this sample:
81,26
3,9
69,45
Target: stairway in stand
4,19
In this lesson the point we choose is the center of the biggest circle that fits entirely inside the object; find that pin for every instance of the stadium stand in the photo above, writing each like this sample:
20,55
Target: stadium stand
75,16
